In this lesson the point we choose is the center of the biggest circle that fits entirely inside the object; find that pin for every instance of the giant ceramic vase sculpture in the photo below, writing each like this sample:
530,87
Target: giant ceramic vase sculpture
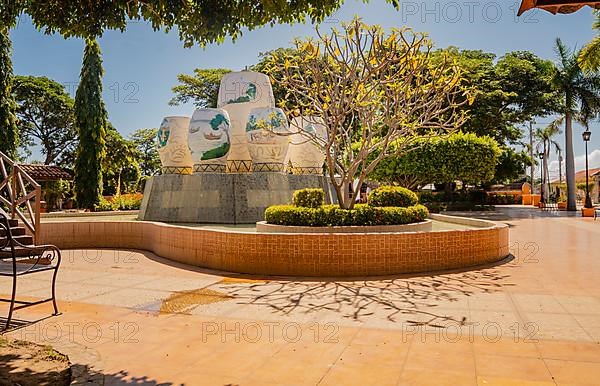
268,139
173,150
239,93
305,156
209,140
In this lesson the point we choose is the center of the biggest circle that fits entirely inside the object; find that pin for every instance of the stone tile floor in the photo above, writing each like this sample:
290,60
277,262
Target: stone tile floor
130,317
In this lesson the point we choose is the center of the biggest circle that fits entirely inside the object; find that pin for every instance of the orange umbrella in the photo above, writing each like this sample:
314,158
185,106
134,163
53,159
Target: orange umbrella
554,7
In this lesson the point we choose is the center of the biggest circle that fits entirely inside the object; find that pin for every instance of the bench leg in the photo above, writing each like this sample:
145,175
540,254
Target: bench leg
12,303
54,292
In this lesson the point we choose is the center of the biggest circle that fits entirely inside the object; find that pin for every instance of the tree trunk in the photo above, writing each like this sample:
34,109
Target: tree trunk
347,204
570,163
546,176
339,192
49,158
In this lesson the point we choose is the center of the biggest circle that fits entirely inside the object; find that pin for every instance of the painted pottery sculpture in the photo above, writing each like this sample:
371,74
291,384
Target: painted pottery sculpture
246,87
268,143
209,140
304,155
173,150
238,160
239,93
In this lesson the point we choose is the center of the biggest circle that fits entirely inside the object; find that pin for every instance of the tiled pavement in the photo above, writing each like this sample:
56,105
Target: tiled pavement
133,318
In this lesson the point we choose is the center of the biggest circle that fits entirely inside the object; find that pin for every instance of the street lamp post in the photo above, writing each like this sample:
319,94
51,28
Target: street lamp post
588,200
532,166
560,161
541,155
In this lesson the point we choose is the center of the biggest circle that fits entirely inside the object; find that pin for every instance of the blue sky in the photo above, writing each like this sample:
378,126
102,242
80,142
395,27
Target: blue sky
141,65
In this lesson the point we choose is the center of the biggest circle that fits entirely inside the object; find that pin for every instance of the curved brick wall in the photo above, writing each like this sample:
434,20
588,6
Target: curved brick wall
263,227
312,254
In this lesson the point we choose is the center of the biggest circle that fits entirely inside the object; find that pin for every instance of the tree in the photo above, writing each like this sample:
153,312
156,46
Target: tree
372,89
544,144
8,122
147,157
202,88
197,21
9,11
91,120
506,93
120,168
45,113
459,157
511,164
581,97
589,56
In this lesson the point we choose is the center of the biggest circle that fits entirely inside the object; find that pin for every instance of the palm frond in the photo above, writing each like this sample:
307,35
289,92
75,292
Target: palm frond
556,146
589,56
563,52
596,24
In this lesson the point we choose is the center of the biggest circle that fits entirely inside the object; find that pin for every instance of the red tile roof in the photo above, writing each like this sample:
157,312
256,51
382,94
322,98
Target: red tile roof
46,172
580,175
556,6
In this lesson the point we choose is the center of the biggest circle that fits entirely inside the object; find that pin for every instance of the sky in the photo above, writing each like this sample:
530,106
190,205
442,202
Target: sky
141,65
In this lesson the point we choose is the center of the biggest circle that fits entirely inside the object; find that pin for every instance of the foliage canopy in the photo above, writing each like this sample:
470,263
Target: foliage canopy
45,112
197,21
8,122
459,157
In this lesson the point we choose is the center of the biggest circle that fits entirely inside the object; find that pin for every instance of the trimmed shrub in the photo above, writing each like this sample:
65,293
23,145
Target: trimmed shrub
333,215
104,206
131,201
309,198
501,199
123,202
393,196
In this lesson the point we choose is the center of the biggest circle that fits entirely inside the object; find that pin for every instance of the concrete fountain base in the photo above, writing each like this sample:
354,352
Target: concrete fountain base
221,198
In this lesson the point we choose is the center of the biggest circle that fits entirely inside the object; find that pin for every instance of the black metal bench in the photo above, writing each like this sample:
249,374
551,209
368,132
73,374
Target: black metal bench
17,260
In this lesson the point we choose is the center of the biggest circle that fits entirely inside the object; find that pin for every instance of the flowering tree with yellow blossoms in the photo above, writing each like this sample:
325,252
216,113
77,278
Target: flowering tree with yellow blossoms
375,92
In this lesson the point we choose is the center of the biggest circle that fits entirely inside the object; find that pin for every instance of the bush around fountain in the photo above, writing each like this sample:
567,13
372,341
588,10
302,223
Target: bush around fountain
401,207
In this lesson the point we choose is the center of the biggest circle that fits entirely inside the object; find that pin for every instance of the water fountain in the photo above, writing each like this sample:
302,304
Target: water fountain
226,165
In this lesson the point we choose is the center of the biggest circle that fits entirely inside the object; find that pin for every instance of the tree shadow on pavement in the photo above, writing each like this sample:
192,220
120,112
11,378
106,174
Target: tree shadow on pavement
396,299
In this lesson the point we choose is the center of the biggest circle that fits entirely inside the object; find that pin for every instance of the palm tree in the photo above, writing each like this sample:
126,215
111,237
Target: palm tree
581,96
589,56
545,143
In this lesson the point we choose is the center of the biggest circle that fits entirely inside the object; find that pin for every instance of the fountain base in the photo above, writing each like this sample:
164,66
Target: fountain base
222,198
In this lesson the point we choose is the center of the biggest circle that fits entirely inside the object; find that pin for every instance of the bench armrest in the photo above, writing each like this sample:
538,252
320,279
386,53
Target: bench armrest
35,255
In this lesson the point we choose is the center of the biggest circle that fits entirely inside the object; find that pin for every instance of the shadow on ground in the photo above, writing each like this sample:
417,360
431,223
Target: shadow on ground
15,370
414,300
82,375
24,363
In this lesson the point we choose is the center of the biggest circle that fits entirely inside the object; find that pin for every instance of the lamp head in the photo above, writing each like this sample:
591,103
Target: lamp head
586,135
541,155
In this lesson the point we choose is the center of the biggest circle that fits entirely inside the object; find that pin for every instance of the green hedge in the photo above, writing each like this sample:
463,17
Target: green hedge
333,215
123,202
393,196
309,198
502,199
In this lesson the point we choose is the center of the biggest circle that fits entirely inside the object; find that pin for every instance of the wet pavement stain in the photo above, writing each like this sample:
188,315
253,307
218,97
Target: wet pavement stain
184,301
